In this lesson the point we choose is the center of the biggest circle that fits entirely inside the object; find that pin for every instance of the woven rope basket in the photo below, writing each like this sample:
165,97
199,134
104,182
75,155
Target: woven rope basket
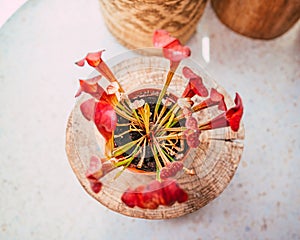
133,22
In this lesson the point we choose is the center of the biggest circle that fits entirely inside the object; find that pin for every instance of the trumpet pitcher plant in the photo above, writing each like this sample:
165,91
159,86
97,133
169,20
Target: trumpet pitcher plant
150,134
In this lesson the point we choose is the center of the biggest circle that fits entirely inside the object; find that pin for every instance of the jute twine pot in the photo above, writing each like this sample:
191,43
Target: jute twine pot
133,22
214,161
263,19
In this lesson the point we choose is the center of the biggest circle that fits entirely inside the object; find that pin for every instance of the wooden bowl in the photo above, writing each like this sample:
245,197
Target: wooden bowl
214,161
261,19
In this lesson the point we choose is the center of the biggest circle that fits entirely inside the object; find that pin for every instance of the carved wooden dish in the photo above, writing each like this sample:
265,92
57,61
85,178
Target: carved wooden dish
214,161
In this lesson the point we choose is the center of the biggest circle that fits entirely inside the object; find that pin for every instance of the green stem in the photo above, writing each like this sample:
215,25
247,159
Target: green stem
167,154
158,174
171,136
170,75
161,113
129,159
158,164
175,129
122,149
140,163
128,131
123,114
167,116
122,107
161,153
123,124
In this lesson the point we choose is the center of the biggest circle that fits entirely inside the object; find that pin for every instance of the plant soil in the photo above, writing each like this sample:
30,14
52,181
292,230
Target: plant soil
149,164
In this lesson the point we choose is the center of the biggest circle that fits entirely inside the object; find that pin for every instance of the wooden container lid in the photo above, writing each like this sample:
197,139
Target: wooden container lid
261,19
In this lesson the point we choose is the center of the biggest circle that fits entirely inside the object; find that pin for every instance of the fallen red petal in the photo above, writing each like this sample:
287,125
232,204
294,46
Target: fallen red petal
96,186
154,194
138,194
128,197
173,193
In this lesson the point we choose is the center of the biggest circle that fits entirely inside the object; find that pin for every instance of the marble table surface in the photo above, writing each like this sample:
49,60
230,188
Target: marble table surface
40,197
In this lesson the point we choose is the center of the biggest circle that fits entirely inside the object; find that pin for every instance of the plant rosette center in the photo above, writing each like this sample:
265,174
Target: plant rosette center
147,134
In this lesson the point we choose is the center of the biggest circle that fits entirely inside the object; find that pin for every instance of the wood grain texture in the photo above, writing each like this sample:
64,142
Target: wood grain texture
263,19
133,22
214,161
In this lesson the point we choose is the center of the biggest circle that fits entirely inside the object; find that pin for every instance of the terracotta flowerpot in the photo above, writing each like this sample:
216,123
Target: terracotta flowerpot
213,162
133,22
261,19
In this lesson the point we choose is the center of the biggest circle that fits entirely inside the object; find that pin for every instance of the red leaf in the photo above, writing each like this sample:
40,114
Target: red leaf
195,84
192,132
94,168
87,109
188,73
182,196
162,38
235,114
93,59
175,52
105,119
173,192
129,198
171,170
138,194
215,98
80,63
93,173
191,123
192,137
91,87
172,48
231,117
154,194
96,186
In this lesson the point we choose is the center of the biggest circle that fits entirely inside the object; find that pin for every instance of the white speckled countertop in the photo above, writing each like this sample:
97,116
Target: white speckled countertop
40,197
